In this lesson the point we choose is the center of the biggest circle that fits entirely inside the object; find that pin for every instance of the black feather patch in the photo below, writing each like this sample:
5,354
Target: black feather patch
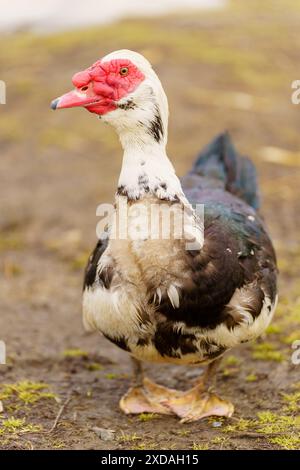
120,342
92,274
91,268
155,127
127,105
172,343
143,186
121,191
105,276
143,182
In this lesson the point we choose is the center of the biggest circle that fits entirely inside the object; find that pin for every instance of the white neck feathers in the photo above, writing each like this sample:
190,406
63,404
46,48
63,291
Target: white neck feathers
141,122
147,169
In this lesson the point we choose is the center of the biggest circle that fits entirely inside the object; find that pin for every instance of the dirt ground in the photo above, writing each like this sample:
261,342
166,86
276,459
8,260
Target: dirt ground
232,70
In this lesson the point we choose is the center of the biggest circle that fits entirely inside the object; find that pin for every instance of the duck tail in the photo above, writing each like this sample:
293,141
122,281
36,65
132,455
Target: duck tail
220,160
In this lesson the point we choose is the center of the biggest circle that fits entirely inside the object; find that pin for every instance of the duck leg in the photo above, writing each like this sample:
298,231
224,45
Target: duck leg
145,396
200,401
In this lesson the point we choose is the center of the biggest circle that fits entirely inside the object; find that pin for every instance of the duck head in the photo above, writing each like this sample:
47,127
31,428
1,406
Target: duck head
124,91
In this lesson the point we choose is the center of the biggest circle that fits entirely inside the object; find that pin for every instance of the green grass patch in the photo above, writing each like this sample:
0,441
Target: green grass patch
287,442
267,352
128,437
14,425
94,366
25,392
10,242
294,336
111,376
73,353
148,416
251,378
282,430
232,361
241,425
273,330
200,446
292,402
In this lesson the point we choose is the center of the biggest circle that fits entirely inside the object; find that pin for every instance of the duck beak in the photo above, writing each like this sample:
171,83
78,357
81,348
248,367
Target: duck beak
74,99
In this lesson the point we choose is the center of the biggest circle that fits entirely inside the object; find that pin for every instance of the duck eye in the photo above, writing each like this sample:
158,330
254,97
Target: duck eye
123,71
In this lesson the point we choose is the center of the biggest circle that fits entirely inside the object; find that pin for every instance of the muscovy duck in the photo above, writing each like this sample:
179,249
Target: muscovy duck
156,297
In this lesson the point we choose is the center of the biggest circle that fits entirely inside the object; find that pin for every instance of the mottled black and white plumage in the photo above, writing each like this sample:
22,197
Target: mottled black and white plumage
182,299
231,293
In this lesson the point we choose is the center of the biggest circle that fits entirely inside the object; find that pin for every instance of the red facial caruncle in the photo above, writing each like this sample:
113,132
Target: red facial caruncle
101,86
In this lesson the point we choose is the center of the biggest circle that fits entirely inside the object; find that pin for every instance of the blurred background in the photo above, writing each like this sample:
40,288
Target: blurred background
224,64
